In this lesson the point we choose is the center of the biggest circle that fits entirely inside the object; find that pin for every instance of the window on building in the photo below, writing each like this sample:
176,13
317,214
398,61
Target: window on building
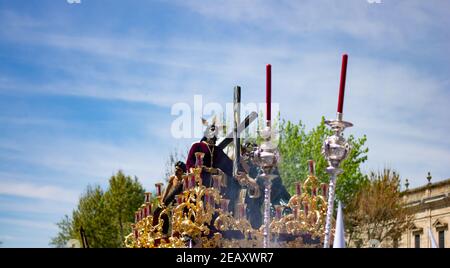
417,241
441,239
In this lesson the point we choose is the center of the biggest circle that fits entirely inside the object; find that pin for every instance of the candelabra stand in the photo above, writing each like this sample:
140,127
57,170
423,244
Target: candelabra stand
266,157
335,149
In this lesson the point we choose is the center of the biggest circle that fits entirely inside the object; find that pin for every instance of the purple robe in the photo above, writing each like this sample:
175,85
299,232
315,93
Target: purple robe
218,160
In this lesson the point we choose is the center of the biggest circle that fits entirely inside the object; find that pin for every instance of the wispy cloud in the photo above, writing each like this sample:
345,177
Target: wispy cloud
32,190
17,205
89,161
28,223
391,22
6,237
401,95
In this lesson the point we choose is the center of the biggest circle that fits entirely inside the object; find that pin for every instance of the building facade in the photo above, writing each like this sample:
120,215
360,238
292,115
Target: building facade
431,207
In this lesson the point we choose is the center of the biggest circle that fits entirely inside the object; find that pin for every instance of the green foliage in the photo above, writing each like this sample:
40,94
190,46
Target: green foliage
297,146
92,213
124,195
65,233
352,180
105,216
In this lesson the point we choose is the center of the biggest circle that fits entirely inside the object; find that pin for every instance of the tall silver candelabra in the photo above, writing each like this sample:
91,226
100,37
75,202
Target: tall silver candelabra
335,149
266,157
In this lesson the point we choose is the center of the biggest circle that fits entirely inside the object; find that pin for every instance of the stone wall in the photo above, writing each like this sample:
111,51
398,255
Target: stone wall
431,206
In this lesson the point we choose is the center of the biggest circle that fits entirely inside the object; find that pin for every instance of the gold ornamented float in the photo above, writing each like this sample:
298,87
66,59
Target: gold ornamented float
200,217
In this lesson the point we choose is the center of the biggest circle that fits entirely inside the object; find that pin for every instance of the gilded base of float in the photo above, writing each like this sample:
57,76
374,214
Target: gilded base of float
200,219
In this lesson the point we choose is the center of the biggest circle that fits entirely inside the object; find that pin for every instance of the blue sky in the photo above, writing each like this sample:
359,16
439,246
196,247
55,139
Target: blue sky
87,89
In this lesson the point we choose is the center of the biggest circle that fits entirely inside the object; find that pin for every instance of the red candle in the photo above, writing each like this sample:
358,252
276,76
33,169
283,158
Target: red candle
324,189
158,189
306,208
138,215
207,198
313,218
147,197
242,211
224,204
298,188
185,183
147,211
192,182
216,182
268,91
239,210
311,167
342,84
179,199
278,211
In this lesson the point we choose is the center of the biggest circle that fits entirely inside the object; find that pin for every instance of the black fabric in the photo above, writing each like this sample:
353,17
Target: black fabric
255,206
164,217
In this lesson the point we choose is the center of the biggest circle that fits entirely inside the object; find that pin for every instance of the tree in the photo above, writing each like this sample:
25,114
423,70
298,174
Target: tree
122,198
378,211
65,233
96,219
105,216
297,146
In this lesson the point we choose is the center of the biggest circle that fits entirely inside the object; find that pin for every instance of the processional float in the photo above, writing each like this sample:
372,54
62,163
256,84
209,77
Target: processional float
200,216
